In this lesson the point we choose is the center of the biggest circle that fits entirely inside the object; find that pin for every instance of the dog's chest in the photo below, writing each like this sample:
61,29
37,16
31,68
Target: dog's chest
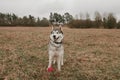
55,49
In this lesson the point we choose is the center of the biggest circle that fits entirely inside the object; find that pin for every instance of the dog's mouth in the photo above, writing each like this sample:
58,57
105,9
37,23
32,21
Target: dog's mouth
55,38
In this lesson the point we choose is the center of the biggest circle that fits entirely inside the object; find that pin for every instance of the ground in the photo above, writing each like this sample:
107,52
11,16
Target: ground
90,54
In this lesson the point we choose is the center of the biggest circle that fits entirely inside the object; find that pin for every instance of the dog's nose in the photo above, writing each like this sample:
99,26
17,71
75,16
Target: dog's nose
54,36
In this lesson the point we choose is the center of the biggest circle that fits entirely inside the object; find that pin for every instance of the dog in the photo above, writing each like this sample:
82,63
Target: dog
55,48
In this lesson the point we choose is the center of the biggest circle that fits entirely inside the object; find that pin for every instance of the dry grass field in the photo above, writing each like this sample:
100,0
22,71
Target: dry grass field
90,54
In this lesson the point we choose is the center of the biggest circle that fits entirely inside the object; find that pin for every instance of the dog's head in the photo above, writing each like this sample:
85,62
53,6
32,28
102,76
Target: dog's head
56,34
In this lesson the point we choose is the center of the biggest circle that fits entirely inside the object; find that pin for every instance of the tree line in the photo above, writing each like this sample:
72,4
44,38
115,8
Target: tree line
13,20
107,21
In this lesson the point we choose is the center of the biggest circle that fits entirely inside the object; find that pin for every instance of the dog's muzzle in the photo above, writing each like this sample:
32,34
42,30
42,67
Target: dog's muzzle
55,38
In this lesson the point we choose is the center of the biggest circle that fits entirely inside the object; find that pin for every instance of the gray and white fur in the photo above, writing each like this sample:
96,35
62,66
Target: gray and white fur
56,49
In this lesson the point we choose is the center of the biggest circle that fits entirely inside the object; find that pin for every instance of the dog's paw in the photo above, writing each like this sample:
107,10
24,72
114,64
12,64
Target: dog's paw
54,61
59,70
62,63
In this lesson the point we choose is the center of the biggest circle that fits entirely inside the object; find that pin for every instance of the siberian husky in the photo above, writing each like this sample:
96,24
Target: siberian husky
55,48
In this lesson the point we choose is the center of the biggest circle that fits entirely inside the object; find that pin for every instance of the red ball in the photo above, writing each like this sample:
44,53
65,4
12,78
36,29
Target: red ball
50,69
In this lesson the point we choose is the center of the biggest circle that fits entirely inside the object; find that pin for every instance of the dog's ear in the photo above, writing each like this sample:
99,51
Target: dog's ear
52,27
60,27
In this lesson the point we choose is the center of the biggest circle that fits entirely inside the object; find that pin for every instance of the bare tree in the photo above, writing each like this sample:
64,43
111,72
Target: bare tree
88,21
81,16
98,19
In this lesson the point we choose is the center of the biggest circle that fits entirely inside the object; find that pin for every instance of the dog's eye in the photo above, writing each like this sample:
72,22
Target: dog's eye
57,32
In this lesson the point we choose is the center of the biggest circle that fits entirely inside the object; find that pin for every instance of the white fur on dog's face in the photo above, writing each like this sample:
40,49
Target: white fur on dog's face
56,35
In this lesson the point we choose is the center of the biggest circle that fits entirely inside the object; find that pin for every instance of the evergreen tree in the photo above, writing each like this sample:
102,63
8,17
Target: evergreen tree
111,21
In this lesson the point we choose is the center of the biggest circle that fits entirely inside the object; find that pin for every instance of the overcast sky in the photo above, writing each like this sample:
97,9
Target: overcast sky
42,8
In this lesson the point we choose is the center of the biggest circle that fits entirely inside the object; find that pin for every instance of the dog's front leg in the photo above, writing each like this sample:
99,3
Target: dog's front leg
62,55
62,60
59,63
50,59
